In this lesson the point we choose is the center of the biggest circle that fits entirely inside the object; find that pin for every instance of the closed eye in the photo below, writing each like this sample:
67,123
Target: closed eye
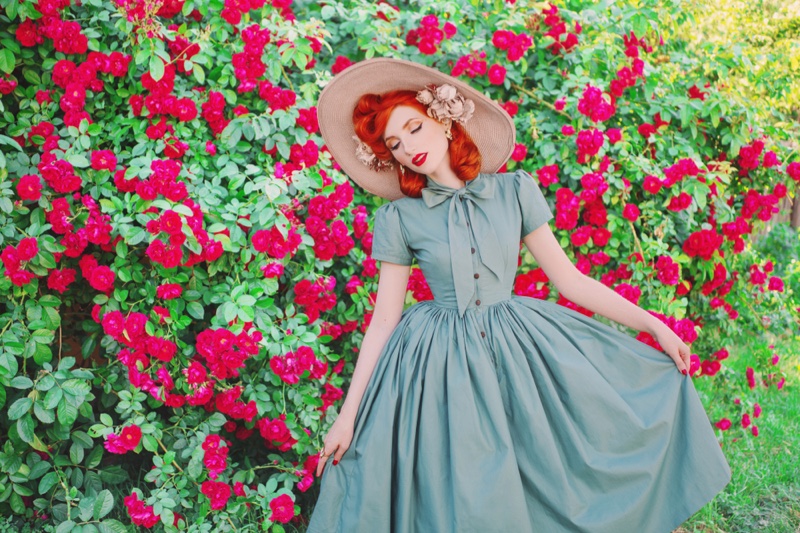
393,148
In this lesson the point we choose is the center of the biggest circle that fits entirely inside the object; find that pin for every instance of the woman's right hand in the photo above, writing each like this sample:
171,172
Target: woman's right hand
337,440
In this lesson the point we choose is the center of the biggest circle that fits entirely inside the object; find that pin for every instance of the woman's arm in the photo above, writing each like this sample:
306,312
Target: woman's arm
392,287
583,290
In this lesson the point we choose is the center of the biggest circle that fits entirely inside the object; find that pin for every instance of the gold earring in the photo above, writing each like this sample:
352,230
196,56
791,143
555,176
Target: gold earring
448,135
402,171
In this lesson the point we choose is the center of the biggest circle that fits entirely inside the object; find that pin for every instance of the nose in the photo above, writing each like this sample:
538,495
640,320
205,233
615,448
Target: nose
410,151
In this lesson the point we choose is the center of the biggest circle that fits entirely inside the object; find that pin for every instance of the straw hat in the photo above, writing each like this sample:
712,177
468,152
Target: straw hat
490,126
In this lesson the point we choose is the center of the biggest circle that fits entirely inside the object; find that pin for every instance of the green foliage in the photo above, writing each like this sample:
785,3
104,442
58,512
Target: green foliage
755,48
80,368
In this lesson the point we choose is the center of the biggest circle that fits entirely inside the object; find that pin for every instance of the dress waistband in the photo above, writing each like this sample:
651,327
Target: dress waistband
475,305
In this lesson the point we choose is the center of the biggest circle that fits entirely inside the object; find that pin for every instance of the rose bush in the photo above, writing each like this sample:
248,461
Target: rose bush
187,274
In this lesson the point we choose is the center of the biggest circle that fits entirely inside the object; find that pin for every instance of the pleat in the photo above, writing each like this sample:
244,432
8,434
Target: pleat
553,422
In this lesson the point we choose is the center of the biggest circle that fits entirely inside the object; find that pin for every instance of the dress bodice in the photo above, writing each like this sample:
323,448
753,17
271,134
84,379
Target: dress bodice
466,240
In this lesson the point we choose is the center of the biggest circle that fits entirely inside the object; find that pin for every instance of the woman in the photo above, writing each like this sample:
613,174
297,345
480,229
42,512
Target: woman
480,410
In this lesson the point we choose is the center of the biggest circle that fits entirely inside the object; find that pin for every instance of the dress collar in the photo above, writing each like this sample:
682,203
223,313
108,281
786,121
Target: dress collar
432,184
467,205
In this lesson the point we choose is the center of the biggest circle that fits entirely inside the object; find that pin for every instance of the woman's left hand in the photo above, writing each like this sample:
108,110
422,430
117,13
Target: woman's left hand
674,347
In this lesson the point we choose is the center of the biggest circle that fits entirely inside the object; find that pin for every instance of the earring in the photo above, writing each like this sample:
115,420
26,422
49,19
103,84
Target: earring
402,171
448,135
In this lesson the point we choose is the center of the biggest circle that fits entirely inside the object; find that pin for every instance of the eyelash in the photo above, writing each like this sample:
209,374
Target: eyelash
393,148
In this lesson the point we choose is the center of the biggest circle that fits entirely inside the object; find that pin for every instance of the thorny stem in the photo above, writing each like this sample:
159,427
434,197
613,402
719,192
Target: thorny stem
636,239
539,100
287,78
166,451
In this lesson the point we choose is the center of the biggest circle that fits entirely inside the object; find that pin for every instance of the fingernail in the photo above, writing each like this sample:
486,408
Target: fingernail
336,461
684,372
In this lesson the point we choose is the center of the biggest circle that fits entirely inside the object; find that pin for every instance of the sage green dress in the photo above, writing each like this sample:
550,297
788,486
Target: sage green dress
491,412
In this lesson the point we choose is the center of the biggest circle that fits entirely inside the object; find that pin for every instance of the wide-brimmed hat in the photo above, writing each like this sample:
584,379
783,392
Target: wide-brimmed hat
490,127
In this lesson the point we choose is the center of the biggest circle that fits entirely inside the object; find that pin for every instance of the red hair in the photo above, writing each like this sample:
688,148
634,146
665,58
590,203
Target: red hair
370,117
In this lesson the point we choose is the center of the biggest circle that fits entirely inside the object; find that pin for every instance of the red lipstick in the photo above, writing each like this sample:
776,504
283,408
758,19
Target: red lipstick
419,159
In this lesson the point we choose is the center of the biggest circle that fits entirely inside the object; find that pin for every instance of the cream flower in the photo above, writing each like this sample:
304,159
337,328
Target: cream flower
446,104
367,157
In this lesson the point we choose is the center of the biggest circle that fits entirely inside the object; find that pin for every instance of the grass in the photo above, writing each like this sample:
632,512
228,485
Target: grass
764,493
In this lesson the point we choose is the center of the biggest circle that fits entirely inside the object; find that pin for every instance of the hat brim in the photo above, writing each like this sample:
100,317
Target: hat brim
490,127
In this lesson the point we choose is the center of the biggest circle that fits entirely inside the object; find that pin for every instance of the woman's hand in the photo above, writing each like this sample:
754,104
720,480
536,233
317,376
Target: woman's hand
674,347
337,440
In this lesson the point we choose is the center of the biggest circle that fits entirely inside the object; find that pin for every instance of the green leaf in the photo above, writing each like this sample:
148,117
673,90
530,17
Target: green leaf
111,526
684,112
7,60
21,382
76,387
52,397
66,363
17,505
95,457
199,73
113,475
156,68
78,160
44,415
76,453
22,490
103,504
45,383
19,408
230,311
47,482
167,517
66,527
141,56
67,413
195,310
42,354
150,443
25,427
640,24
82,438
39,469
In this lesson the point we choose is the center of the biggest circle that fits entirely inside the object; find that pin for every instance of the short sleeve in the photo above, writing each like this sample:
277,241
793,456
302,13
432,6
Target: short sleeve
532,203
388,242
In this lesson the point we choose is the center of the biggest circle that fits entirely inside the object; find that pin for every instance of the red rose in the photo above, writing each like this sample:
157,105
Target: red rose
282,508
130,436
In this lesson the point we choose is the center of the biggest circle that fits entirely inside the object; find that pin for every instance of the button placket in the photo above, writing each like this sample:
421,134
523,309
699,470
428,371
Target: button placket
475,275
481,316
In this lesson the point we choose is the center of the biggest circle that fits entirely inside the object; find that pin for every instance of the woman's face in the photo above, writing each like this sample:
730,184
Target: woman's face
417,141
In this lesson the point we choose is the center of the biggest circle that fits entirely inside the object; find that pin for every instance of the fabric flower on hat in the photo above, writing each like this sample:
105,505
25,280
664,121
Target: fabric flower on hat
445,103
365,154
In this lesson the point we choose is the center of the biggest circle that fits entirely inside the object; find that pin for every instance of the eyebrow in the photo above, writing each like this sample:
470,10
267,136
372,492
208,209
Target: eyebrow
404,127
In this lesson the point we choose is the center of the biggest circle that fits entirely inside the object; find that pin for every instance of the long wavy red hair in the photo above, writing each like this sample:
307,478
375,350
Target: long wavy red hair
370,117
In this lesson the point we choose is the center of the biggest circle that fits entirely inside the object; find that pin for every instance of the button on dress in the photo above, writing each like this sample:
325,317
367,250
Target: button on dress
491,412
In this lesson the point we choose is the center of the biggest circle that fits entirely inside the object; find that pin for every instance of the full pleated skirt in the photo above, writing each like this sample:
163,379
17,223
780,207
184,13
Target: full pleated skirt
549,422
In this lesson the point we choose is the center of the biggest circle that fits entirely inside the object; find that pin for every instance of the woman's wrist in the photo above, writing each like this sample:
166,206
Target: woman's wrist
347,413
654,325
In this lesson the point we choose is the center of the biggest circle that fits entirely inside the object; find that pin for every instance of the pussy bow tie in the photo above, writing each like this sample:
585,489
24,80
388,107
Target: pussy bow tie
464,208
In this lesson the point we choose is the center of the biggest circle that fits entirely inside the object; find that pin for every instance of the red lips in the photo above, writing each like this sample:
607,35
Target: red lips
419,159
